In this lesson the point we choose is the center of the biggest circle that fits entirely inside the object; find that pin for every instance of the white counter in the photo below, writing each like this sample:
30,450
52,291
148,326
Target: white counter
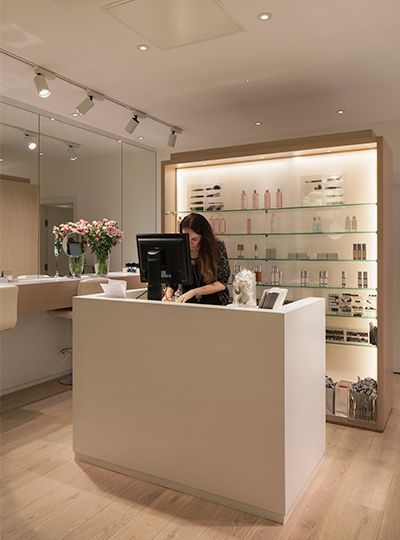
226,404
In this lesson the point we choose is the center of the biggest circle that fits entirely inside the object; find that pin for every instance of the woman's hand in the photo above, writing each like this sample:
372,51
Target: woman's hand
166,298
186,296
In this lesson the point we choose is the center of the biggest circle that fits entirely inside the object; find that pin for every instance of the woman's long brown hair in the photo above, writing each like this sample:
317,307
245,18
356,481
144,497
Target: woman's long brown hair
209,251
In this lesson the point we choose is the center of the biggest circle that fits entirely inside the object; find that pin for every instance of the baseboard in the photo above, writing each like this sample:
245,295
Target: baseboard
11,389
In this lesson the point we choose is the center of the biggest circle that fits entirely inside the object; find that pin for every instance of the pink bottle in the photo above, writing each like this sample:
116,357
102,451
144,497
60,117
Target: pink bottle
279,199
243,200
256,199
216,225
248,225
267,199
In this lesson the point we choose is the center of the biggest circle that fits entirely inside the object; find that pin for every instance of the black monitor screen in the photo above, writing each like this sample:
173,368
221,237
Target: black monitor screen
174,255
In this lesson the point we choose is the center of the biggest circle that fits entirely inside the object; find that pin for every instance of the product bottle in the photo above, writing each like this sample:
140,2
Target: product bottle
257,271
325,278
256,199
314,224
347,224
354,223
365,280
360,280
222,225
279,198
274,223
255,251
364,251
267,199
243,200
319,224
306,278
240,249
216,225
321,278
344,278
248,225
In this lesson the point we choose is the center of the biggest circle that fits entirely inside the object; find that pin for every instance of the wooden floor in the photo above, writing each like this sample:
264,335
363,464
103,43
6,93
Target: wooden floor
47,495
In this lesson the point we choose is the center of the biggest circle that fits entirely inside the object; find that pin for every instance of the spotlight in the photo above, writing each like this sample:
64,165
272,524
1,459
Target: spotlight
71,152
88,102
30,141
172,136
40,80
132,124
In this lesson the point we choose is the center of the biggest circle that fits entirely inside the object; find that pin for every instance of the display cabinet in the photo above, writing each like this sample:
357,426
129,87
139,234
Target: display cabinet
311,215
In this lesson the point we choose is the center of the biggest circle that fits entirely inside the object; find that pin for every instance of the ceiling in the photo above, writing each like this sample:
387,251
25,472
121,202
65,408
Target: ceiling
309,60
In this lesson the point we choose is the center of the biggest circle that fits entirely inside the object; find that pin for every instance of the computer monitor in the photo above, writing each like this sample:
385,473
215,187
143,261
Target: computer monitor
163,258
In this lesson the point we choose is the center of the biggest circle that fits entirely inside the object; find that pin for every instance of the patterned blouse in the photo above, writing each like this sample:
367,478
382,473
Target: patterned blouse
219,298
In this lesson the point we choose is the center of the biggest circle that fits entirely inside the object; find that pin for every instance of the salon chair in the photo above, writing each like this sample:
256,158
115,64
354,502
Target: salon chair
85,286
8,306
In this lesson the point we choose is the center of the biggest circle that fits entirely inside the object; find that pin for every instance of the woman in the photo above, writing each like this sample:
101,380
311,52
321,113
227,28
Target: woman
210,266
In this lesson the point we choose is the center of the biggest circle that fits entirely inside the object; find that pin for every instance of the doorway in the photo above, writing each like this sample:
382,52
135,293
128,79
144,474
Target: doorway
50,215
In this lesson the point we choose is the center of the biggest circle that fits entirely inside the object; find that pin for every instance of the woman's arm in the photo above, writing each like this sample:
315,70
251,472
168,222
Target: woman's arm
211,288
168,294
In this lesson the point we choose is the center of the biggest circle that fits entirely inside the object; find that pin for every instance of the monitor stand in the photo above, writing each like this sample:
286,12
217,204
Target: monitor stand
154,275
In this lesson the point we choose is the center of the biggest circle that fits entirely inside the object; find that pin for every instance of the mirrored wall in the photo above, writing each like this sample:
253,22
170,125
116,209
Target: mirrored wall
53,172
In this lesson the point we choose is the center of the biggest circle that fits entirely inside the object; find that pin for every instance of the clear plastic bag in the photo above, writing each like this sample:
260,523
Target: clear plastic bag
244,288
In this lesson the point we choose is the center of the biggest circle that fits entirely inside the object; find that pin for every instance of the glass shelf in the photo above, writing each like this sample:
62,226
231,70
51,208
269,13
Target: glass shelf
333,233
350,344
302,260
351,316
274,209
313,287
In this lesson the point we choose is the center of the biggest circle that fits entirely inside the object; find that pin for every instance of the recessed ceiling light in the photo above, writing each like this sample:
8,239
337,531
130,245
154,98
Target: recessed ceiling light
1,159
143,47
75,114
257,123
52,119
264,16
340,111
41,153
119,140
140,138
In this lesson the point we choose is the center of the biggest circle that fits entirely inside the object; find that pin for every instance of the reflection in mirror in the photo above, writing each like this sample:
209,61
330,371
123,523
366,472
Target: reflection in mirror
80,178
19,192
74,246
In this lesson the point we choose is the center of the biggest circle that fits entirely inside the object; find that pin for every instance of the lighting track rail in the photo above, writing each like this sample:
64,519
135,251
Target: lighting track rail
91,95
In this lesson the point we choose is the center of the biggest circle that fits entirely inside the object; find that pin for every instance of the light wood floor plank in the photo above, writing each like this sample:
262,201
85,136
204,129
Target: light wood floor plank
355,494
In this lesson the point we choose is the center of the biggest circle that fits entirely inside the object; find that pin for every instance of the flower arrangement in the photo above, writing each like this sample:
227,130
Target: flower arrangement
101,236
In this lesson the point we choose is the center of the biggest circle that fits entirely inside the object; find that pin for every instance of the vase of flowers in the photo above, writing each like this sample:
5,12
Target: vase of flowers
102,237
63,235
75,265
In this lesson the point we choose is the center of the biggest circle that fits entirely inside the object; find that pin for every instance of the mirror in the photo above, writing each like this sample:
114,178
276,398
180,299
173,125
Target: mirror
81,175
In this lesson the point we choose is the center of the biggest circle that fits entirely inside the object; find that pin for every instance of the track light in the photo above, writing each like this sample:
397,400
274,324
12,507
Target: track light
30,140
40,80
132,124
88,102
71,151
172,136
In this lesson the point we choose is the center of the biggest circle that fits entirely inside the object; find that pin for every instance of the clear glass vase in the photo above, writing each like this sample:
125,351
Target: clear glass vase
102,264
76,265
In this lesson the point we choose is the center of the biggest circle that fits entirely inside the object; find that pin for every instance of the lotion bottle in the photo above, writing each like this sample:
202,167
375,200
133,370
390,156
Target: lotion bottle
279,198
267,199
256,199
243,200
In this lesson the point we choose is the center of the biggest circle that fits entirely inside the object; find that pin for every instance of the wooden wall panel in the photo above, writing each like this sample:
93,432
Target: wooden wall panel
19,227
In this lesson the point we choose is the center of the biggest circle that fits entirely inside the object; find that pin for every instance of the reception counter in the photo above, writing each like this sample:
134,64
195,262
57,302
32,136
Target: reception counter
226,404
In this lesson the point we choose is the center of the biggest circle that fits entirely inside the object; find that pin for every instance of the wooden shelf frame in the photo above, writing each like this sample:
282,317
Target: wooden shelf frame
308,146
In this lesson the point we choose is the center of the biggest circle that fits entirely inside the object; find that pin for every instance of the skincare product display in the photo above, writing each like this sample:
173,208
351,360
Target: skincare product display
279,198
299,256
359,252
351,304
275,276
267,199
317,224
256,199
323,278
347,224
240,251
354,223
327,256
270,253
258,274
344,278
243,200
319,190
248,225
304,278
206,198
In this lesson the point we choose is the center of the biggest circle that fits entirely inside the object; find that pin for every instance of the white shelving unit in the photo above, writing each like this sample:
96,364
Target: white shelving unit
359,168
